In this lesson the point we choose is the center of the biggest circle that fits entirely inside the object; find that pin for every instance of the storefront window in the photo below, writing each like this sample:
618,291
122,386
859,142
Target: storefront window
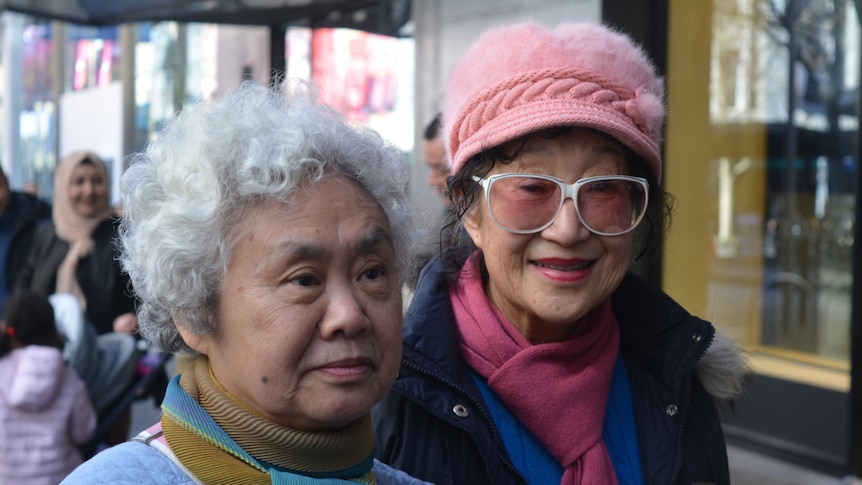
774,150
92,57
65,89
158,71
176,63
368,77
55,60
36,107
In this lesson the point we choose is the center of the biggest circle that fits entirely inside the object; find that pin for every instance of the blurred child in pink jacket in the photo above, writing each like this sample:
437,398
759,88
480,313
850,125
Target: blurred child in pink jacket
45,412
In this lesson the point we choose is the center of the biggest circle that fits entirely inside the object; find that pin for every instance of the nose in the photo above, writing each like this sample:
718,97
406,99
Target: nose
88,188
344,315
567,228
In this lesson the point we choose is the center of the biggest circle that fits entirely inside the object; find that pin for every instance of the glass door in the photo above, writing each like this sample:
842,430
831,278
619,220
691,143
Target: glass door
761,153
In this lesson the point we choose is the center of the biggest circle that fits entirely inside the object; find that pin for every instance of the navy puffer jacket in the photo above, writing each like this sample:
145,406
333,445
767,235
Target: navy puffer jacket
27,211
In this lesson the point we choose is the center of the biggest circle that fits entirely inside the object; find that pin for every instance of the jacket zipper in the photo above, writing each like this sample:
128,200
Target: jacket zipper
684,410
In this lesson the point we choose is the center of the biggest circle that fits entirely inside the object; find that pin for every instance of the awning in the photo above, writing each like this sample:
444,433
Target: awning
387,17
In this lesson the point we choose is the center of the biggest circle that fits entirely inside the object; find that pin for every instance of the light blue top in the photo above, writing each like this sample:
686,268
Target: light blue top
136,463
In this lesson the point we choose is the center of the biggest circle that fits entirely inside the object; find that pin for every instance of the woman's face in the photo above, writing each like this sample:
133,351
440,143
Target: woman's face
88,190
545,282
309,320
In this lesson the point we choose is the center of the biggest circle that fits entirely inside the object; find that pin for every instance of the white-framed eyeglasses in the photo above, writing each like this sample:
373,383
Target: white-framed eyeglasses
608,205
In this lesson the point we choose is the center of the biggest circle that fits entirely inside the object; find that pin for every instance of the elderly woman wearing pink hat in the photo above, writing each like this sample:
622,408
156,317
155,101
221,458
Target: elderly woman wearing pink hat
531,353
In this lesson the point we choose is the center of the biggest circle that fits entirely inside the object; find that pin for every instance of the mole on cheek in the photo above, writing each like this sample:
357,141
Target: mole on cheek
264,379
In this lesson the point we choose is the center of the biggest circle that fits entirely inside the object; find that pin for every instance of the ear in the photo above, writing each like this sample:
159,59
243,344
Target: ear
197,342
472,224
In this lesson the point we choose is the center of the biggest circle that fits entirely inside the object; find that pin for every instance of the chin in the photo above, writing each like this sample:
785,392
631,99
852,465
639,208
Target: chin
340,418
348,409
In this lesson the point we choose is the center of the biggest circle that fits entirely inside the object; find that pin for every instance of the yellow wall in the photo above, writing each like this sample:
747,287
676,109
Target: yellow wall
724,289
687,153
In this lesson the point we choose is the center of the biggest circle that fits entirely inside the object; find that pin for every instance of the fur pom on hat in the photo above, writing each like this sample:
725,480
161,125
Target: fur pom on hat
523,78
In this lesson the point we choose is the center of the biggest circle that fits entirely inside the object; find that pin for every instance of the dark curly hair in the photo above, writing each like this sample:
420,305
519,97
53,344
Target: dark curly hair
29,320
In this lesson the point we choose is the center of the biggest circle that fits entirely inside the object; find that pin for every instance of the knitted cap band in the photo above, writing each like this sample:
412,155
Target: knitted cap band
531,101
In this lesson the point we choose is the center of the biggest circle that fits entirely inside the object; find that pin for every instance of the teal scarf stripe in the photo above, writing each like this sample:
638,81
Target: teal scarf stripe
291,479
186,411
341,475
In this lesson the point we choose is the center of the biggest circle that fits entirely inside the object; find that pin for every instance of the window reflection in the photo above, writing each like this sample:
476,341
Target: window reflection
784,217
38,107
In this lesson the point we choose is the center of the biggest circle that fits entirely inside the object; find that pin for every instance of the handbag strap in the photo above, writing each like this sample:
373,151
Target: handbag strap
155,438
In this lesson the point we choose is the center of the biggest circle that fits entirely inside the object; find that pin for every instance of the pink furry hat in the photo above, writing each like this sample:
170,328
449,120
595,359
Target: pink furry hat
525,77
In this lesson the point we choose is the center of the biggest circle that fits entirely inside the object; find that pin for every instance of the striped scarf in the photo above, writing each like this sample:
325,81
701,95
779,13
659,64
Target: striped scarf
221,441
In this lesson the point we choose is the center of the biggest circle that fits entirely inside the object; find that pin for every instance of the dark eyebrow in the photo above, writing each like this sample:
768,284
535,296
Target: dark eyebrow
534,149
289,250
371,241
610,149
302,251
376,237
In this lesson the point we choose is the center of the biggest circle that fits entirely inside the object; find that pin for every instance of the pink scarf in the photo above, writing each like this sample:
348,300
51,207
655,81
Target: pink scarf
559,390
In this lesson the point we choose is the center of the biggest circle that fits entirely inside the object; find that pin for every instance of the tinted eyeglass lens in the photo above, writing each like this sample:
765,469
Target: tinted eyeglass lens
611,206
527,204
524,203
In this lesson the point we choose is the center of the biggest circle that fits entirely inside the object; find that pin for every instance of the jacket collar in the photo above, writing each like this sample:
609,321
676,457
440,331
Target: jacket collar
657,332
430,334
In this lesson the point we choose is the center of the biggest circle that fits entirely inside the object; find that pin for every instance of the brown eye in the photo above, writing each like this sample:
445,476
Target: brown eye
373,273
305,281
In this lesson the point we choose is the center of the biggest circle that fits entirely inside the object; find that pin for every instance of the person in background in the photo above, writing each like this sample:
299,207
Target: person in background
531,353
20,213
44,407
434,151
267,236
75,253
437,227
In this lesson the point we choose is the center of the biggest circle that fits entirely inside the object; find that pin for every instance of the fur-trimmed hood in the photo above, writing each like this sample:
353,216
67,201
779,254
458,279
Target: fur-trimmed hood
724,369
652,320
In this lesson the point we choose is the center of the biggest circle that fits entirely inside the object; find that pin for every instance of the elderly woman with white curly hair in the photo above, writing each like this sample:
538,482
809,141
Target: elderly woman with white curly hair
269,237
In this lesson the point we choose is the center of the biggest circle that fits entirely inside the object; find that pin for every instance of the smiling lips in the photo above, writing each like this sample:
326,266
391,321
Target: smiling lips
564,270
565,264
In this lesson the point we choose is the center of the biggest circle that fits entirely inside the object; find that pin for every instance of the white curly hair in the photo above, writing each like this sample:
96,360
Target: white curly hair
184,195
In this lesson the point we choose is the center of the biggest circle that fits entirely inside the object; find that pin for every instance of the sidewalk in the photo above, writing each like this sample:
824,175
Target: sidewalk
751,468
